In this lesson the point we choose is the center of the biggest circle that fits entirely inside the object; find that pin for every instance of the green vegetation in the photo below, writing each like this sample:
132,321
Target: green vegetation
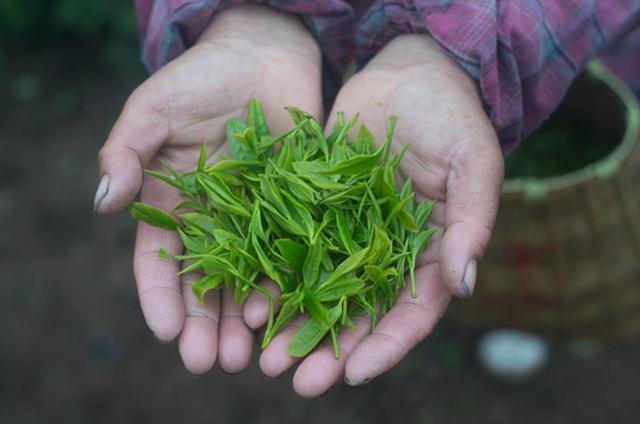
108,28
320,216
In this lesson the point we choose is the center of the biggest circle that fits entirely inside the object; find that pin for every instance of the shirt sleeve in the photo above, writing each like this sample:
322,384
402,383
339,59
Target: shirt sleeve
523,53
168,27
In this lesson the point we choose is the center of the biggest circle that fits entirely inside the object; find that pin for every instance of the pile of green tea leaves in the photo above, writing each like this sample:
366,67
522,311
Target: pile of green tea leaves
320,216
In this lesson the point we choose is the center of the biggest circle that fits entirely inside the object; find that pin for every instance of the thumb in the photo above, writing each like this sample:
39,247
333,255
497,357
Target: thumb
140,131
473,193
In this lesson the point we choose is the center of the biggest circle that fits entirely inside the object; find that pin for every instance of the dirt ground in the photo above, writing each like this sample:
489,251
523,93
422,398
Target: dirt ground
75,349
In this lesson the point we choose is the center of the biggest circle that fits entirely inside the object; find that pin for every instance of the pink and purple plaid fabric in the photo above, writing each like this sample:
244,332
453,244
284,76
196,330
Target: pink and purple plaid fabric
523,53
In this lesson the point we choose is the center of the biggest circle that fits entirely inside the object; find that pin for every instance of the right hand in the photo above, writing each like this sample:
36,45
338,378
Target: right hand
246,51
453,156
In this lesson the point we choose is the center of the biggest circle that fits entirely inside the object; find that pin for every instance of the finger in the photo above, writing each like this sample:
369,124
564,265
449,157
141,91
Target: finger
473,194
157,280
275,359
321,370
198,343
137,135
256,308
407,323
236,340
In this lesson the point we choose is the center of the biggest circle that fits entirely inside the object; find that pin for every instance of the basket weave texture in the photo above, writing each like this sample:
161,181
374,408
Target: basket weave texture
564,258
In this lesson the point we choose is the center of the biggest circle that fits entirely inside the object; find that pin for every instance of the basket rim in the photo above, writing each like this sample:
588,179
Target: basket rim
536,188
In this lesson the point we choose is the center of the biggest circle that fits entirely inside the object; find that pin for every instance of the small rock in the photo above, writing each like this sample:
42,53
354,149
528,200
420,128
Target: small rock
512,355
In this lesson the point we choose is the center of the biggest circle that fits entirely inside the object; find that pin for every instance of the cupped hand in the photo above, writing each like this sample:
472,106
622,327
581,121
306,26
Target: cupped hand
246,52
453,156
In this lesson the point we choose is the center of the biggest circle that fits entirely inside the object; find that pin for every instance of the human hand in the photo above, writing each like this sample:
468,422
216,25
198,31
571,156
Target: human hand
247,51
454,157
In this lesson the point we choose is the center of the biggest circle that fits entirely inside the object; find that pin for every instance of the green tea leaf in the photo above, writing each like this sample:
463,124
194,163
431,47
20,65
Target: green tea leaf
311,269
419,243
267,266
202,161
423,212
365,139
317,311
272,195
348,286
231,165
256,119
298,187
163,254
357,164
169,169
300,214
397,210
393,120
288,311
152,216
294,253
380,279
224,236
298,115
327,265
193,244
163,177
237,145
306,338
347,266
310,168
255,226
380,246
344,232
286,223
198,220
202,285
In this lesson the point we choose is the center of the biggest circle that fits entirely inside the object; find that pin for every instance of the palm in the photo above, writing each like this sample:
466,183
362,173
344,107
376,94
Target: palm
453,156
195,95
166,120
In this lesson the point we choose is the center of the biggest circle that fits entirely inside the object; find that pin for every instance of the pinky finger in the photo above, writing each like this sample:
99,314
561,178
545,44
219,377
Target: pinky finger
198,343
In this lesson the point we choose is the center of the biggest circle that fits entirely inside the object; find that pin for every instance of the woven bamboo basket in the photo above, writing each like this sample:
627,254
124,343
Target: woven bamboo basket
565,254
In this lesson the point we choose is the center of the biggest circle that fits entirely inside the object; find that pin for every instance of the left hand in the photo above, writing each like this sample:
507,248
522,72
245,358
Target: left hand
453,156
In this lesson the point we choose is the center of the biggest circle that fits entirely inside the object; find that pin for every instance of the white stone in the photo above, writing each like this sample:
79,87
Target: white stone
512,355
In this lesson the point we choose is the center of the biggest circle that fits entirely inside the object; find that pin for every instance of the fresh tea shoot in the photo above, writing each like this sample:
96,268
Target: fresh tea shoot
321,216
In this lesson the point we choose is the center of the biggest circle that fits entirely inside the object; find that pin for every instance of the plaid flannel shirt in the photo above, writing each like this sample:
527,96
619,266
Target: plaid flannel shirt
523,53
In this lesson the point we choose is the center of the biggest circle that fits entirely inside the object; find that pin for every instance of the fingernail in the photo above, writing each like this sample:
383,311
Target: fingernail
469,279
101,193
354,383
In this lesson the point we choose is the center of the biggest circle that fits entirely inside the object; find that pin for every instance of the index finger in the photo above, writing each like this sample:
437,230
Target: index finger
402,328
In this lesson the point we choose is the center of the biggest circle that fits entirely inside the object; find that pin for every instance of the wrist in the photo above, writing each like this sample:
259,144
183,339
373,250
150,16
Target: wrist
262,27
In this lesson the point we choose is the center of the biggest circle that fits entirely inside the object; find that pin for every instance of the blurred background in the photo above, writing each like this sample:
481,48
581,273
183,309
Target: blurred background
74,347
